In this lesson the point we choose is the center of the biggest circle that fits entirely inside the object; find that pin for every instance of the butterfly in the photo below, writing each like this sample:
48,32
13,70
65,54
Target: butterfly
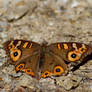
45,60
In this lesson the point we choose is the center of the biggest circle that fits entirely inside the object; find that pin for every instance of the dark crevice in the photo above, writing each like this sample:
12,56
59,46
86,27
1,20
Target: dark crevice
89,57
67,62
13,20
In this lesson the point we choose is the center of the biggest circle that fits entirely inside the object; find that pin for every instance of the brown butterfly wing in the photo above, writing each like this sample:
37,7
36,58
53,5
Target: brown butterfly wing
24,55
52,65
60,54
71,52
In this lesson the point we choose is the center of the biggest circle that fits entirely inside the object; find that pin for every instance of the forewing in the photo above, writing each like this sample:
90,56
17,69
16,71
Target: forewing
24,55
71,52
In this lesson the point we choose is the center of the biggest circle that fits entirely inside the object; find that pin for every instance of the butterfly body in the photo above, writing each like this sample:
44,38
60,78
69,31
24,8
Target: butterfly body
45,60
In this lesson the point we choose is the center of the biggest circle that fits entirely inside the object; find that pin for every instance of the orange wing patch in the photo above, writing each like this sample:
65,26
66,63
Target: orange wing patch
30,45
11,45
83,49
25,44
65,46
59,47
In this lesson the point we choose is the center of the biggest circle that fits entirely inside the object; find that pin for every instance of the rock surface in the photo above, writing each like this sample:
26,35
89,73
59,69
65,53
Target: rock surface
53,21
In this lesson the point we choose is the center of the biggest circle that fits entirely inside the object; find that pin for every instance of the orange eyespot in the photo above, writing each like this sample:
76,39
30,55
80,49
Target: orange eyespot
29,71
11,46
74,56
58,70
82,50
15,54
46,74
20,67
